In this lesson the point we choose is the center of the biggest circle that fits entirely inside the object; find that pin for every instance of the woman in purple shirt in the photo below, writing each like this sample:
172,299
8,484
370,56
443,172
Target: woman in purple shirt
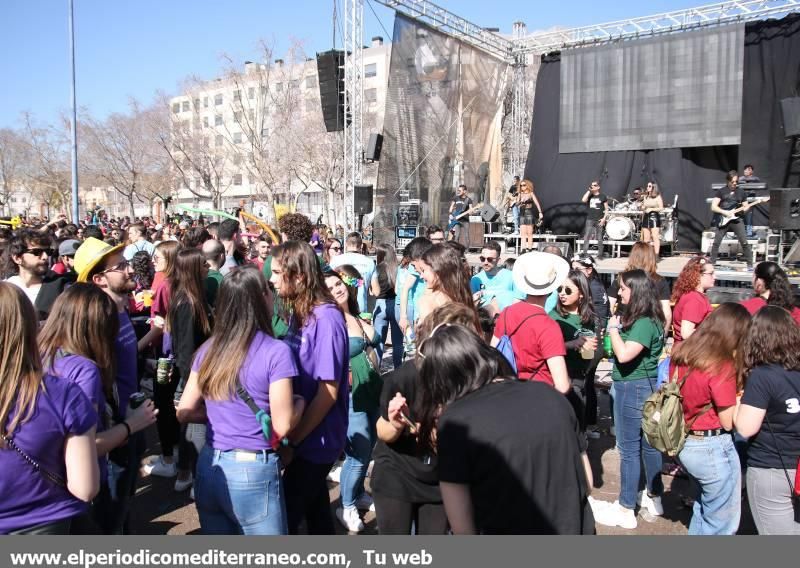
77,344
318,337
238,488
43,421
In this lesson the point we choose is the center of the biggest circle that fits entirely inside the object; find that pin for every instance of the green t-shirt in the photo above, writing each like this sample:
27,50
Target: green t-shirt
213,282
571,326
649,333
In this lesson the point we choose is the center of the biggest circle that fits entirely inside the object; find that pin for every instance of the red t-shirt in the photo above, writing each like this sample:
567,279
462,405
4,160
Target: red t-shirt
701,388
161,296
59,268
537,340
694,307
754,304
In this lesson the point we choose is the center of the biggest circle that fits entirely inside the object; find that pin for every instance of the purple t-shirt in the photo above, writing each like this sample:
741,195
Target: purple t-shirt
85,373
27,497
127,351
321,348
231,423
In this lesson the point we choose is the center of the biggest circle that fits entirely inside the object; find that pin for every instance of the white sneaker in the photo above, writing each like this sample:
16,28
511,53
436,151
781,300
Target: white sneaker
615,515
160,468
335,473
350,519
651,507
365,502
184,484
613,431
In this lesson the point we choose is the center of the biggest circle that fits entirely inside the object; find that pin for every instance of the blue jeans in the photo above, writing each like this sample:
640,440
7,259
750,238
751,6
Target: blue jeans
361,436
238,493
384,319
515,215
629,397
714,464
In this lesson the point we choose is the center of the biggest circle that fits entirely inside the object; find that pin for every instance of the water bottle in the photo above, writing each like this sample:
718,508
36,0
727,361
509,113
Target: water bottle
608,350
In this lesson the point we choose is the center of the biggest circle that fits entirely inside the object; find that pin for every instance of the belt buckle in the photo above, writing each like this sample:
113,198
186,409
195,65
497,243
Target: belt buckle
244,457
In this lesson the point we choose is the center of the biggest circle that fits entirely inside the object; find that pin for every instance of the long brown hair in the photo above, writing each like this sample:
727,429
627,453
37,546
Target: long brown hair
303,283
642,257
169,250
187,286
772,340
241,311
84,321
644,301
352,291
718,340
20,362
446,264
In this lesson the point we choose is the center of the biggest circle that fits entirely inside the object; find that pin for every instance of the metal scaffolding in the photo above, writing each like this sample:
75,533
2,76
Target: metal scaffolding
520,117
353,104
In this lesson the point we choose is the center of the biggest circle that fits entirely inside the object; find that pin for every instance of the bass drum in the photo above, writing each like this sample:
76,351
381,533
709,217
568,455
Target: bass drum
619,228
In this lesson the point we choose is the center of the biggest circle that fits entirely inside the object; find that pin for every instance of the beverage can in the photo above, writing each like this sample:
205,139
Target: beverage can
163,368
136,400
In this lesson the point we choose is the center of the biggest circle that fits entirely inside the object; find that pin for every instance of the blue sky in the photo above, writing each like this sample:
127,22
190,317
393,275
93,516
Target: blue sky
132,48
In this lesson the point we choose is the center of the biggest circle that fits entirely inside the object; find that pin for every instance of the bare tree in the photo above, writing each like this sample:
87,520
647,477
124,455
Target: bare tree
14,159
49,175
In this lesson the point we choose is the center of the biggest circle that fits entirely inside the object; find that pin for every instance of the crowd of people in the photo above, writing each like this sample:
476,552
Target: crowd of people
269,357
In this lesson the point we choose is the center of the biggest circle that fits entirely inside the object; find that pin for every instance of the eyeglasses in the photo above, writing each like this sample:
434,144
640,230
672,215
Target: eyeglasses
709,273
566,290
336,249
37,251
121,267
489,258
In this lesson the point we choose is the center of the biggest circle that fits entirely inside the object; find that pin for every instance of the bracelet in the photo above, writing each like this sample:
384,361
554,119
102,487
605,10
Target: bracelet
128,428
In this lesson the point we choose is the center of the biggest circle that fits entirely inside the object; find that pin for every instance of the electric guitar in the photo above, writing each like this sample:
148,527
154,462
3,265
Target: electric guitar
455,218
736,213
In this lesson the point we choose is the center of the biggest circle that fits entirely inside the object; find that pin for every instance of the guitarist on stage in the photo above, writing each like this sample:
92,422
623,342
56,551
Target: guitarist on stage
460,203
725,201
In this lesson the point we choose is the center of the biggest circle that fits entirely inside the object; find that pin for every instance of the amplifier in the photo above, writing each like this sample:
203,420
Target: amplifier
404,234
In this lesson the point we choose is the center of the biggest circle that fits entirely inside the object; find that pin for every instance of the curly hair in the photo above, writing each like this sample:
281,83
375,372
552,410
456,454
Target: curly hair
776,281
296,226
689,278
772,340
143,270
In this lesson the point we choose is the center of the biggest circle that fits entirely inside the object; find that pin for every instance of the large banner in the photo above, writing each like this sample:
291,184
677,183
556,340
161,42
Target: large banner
670,91
441,127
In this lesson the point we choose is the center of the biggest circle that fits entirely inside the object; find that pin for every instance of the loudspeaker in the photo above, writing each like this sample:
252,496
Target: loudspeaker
790,109
330,70
363,199
374,147
488,213
563,246
784,209
475,235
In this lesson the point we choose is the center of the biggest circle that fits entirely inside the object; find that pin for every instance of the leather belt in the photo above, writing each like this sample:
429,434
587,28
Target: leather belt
707,433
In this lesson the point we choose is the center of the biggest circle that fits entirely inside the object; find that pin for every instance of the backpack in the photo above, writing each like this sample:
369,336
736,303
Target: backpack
504,345
663,422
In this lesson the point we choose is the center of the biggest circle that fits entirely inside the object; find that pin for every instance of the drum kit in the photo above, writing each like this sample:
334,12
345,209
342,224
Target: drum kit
625,220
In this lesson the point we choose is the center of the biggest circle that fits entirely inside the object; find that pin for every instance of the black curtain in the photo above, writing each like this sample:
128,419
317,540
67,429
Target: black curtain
771,72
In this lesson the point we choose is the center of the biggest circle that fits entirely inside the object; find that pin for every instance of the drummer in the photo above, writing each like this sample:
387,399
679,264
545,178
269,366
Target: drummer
635,201
652,205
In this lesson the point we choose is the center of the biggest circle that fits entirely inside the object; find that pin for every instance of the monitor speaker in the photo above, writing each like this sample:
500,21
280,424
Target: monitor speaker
563,246
790,109
363,199
784,209
488,213
374,147
330,70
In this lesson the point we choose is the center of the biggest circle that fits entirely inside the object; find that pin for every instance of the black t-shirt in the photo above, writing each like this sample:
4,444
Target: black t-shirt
599,299
517,445
401,470
729,198
596,206
776,390
461,205
662,287
387,288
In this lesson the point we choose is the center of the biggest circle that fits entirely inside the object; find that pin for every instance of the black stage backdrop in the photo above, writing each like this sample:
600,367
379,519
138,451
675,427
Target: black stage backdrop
771,72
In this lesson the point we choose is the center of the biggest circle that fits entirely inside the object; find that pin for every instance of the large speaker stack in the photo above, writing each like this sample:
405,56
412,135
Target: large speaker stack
784,209
330,71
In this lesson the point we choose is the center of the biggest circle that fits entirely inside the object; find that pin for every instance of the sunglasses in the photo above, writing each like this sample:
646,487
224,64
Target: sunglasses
566,290
122,266
489,258
38,251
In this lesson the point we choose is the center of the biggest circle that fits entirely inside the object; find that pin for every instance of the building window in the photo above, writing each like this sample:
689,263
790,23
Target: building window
205,102
176,108
264,132
237,137
205,122
218,120
185,106
311,82
371,70
237,179
294,84
196,104
205,142
217,100
279,87
218,141
237,117
237,95
237,159
251,93
371,95
263,90
251,114
311,105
